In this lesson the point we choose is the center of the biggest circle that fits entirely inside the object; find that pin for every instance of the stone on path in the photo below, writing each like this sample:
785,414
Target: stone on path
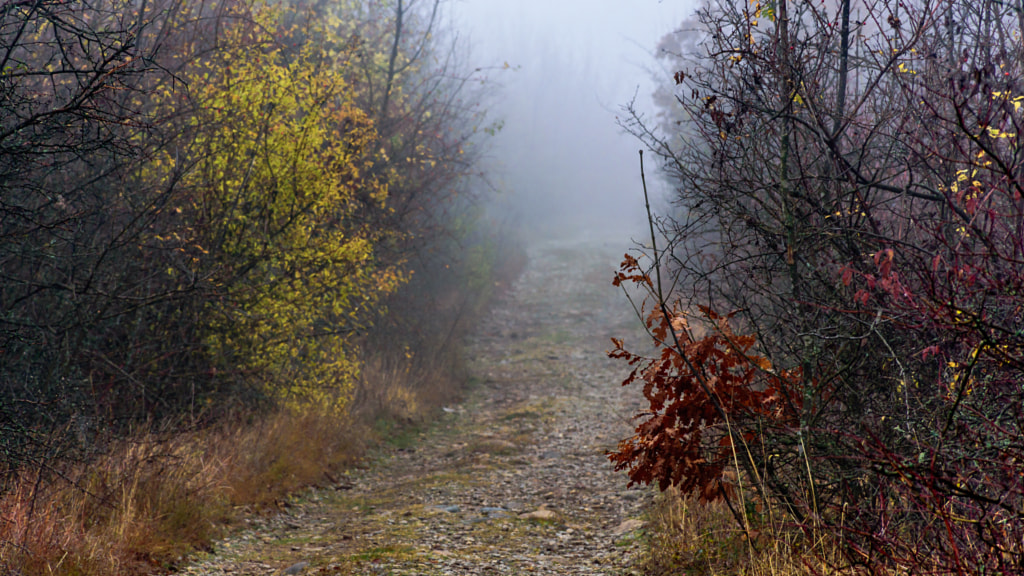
628,526
540,514
296,568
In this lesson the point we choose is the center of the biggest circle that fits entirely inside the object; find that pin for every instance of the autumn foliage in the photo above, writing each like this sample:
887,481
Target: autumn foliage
848,183
698,389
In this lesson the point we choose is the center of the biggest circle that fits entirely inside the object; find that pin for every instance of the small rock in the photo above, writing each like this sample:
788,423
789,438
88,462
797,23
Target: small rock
296,568
541,514
453,509
627,526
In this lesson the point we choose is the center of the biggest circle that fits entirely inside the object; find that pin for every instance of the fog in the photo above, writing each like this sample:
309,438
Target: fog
560,159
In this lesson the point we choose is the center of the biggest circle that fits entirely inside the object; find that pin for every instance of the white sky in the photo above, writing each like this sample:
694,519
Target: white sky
575,62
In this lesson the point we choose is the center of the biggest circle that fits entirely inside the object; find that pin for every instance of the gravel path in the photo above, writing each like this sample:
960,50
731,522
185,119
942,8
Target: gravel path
512,481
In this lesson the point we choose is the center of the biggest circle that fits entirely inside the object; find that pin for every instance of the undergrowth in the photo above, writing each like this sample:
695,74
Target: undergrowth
149,501
685,536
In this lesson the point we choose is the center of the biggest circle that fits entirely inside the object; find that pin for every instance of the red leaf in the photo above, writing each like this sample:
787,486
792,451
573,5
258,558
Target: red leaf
862,295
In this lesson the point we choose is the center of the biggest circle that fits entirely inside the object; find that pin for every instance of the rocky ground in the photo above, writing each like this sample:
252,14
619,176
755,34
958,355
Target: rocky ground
512,481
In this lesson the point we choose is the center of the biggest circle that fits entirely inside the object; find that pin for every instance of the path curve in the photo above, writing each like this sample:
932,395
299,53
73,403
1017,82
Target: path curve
512,481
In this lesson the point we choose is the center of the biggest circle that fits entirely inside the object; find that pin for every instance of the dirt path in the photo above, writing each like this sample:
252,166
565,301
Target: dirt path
512,481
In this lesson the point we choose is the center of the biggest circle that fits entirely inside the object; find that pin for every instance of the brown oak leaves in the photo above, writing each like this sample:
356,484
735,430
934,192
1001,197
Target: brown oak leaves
708,396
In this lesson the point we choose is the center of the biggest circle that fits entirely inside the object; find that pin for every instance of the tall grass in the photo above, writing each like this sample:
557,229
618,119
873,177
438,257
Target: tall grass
684,536
143,502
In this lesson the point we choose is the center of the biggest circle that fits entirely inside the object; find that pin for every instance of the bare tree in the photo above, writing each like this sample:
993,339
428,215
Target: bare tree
72,81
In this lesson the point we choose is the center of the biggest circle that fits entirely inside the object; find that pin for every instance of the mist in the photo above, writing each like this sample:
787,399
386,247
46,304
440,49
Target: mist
560,162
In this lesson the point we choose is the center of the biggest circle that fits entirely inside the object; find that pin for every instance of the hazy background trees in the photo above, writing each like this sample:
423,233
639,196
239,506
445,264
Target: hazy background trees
559,161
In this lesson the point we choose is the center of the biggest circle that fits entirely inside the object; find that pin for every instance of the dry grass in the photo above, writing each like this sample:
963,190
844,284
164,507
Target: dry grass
143,502
148,501
406,390
687,537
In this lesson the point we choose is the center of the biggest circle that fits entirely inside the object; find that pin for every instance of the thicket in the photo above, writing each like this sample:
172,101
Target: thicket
837,299
214,210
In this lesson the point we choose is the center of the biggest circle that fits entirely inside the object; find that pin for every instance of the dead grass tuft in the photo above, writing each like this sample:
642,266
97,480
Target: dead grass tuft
142,503
288,451
684,536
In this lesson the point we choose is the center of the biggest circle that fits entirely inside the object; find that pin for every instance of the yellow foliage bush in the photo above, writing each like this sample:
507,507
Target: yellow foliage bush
280,174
